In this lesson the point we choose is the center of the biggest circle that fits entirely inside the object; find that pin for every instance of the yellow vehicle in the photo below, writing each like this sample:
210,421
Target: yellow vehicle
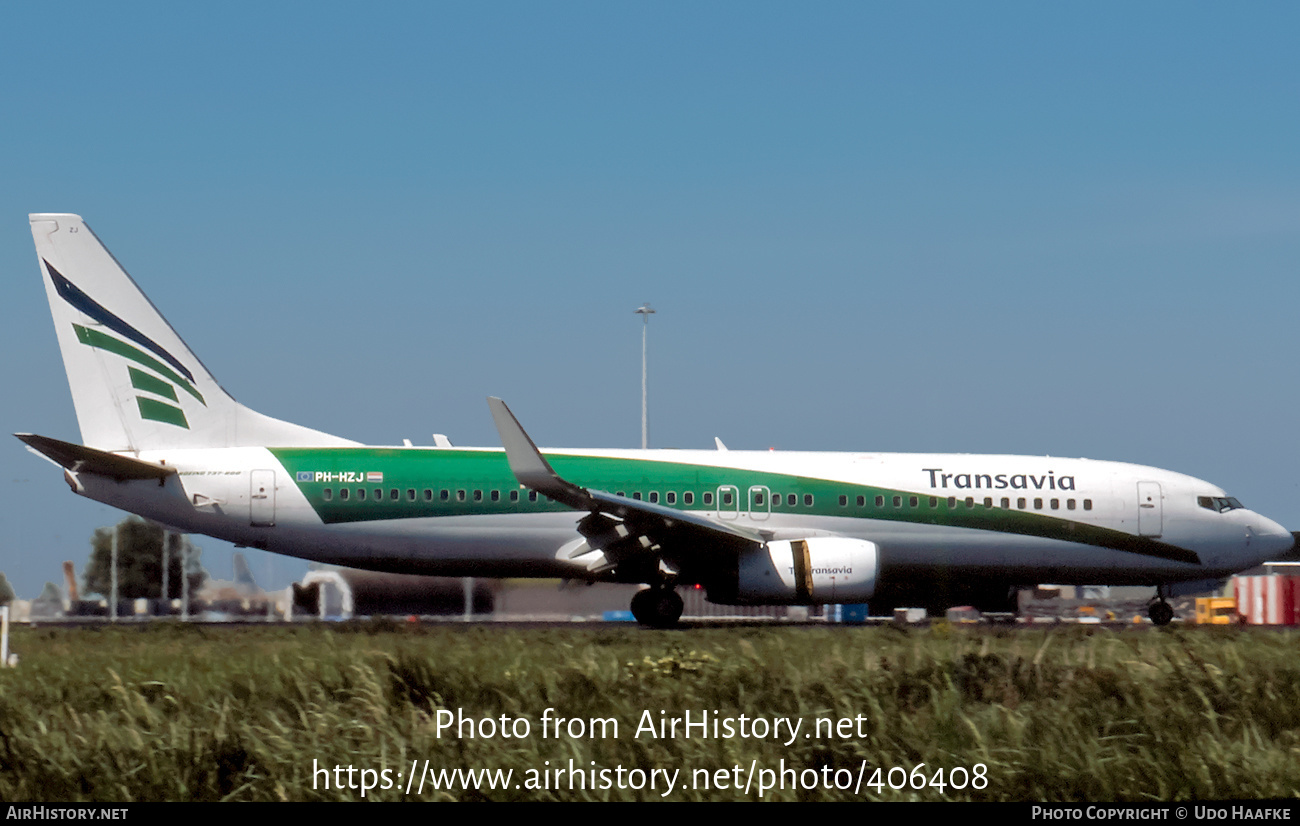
1217,611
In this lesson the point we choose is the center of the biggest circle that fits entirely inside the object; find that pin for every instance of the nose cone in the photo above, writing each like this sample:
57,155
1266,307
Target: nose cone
1271,539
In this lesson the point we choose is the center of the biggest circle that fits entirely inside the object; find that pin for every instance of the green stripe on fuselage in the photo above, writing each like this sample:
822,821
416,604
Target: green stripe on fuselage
416,470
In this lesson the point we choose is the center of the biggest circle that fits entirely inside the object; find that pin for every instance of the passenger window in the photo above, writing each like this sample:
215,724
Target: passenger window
1020,503
988,501
792,500
726,497
934,501
912,501
880,501
379,494
970,501
654,496
1069,504
460,495
361,494
428,495
898,501
394,494
343,493
708,497
844,500
952,501
670,498
496,496
478,496
410,494
1056,504
862,501
532,496
636,494
1038,504
808,499
688,498
329,494
1006,503
514,496
444,494
1087,504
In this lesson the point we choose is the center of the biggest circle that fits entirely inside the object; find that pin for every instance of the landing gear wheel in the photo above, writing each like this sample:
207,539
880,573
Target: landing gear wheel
1161,613
657,607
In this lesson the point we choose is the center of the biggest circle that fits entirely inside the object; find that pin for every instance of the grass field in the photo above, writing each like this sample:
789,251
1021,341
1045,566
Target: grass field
171,712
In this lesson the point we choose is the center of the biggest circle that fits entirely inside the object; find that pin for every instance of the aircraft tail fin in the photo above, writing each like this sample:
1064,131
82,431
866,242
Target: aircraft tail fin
135,384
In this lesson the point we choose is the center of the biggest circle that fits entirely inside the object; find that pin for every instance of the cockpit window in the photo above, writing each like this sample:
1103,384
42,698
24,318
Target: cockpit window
1220,504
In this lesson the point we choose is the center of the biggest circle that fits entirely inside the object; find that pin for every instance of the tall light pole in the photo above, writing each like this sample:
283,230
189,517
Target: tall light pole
645,311
112,605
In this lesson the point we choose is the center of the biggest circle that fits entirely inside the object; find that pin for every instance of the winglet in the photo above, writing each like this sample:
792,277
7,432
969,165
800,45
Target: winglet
527,463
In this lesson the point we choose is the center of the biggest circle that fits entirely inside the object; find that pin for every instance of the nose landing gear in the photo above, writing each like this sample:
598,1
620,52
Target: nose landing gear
1160,611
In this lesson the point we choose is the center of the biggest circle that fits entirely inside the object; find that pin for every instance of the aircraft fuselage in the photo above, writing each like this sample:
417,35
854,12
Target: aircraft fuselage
450,511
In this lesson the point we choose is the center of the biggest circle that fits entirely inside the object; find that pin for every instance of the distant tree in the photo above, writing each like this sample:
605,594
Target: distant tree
50,594
6,591
139,561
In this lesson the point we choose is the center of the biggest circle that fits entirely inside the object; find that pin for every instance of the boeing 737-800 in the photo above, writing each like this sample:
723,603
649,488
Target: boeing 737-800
160,438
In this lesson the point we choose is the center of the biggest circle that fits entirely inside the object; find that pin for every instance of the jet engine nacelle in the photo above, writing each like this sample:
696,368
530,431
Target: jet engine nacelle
812,571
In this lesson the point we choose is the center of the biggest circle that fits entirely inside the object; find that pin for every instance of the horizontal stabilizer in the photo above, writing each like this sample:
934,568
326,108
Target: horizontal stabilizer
81,459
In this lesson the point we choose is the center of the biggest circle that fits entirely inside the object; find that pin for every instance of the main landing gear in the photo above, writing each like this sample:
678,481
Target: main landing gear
657,607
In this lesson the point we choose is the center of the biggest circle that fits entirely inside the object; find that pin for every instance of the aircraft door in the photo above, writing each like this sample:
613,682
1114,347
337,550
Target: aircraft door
261,498
760,502
728,501
1150,509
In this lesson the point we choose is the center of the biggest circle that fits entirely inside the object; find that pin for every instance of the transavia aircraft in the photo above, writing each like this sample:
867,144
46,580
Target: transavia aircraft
163,440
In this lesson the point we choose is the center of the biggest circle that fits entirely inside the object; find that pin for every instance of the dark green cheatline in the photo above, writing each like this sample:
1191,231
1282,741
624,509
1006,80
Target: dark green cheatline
462,473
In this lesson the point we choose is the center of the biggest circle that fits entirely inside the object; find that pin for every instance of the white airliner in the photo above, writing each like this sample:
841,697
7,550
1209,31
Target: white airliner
163,440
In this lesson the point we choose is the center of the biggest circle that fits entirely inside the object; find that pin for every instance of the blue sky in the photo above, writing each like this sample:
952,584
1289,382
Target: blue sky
1064,228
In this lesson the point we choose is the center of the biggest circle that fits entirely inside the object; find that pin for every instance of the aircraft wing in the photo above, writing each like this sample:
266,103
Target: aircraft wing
621,528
